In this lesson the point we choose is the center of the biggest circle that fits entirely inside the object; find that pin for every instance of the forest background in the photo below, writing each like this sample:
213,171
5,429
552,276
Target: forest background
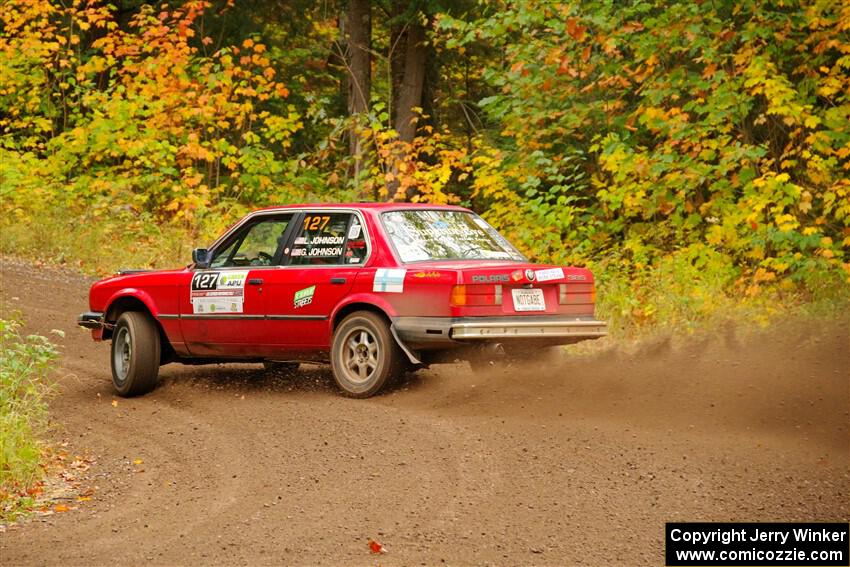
695,155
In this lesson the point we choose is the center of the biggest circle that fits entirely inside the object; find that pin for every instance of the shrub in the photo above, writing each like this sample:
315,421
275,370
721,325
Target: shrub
25,366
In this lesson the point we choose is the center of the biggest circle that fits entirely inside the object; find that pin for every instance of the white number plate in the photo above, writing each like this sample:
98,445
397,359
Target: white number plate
528,300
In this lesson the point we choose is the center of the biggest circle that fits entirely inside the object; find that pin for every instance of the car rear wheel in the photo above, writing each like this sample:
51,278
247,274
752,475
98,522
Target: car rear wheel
364,356
135,354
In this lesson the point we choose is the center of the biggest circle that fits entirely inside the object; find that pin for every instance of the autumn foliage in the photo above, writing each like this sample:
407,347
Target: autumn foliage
691,153
143,118
697,139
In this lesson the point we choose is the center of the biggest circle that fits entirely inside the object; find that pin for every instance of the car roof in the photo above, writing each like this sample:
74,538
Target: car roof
390,206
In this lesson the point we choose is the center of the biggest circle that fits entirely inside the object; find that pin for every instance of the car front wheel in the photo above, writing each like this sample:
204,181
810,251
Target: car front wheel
135,354
364,356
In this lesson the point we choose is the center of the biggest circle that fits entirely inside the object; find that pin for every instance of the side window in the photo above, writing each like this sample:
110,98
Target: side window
255,245
329,239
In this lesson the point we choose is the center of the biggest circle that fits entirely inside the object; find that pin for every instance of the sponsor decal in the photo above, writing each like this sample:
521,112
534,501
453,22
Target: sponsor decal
427,275
354,231
389,280
529,273
300,240
576,277
549,274
495,278
218,292
303,296
516,275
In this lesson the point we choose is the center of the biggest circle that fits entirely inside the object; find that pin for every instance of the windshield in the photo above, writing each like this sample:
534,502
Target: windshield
446,235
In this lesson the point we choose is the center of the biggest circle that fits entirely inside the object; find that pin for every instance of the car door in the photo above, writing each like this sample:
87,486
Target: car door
327,251
223,308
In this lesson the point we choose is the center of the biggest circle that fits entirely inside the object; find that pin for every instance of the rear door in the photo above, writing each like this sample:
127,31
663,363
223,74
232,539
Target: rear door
319,267
223,308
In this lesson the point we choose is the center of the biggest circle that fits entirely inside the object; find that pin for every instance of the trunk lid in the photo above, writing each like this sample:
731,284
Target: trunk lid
517,288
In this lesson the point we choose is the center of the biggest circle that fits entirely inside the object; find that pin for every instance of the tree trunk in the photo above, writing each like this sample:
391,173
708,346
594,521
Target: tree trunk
359,70
410,92
408,96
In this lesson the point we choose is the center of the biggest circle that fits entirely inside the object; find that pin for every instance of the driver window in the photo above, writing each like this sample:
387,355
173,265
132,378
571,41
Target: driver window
256,246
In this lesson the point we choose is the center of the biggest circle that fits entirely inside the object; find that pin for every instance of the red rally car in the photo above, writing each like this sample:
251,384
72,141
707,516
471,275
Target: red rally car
375,288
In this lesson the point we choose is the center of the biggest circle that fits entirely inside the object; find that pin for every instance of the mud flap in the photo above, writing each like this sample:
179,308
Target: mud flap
410,354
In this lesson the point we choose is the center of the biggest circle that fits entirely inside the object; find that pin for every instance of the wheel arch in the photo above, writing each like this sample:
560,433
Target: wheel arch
130,302
349,308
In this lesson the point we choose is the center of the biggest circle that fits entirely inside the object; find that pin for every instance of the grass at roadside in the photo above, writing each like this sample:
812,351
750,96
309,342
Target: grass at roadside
99,246
25,366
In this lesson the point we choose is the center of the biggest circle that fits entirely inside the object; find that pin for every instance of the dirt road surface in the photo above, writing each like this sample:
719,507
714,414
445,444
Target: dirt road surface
575,463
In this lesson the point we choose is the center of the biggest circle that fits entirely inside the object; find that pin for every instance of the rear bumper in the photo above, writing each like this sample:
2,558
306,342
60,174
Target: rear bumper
90,320
441,332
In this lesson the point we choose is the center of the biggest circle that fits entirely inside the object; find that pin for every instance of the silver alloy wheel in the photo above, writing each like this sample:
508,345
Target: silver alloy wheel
360,355
122,350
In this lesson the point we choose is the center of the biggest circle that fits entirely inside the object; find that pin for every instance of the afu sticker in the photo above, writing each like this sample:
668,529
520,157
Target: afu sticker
218,292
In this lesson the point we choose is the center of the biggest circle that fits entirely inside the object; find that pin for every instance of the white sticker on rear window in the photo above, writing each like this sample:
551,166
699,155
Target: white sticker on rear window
389,280
411,253
354,231
549,274
218,292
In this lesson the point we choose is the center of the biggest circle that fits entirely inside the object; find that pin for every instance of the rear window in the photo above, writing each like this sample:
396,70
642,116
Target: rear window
446,235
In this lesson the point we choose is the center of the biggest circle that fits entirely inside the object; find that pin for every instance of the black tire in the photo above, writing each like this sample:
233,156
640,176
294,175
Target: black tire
364,355
281,367
135,354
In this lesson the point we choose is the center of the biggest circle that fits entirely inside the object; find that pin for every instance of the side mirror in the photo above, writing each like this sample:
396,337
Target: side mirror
202,258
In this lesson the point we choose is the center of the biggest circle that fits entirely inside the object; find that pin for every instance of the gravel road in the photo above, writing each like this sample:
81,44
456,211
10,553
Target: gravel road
580,462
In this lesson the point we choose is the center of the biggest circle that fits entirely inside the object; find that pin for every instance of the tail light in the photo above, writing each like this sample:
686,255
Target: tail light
458,297
580,295
476,295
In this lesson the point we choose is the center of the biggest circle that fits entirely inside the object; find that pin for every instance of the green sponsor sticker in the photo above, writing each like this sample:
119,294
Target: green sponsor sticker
304,296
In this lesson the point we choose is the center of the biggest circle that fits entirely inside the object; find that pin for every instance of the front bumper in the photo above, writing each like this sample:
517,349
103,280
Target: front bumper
441,332
90,320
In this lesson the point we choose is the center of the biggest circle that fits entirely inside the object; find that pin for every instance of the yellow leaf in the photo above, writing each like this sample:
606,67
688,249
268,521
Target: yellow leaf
137,461
115,403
